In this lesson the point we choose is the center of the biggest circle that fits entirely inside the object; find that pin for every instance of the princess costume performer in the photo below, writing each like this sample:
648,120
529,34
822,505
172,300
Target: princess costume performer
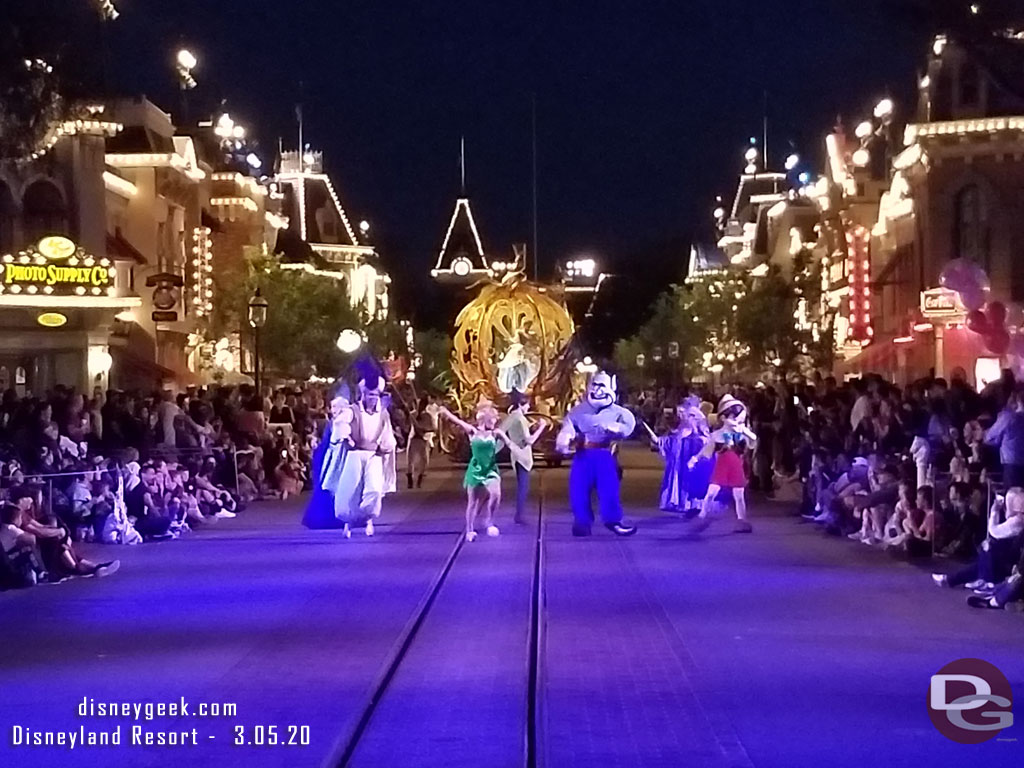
683,487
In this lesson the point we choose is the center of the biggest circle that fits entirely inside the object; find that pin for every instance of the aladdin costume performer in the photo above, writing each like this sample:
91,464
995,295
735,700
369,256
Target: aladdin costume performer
683,487
728,442
595,425
328,459
368,470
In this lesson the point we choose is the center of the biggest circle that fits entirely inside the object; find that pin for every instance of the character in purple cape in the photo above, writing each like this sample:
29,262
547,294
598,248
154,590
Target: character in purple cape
683,485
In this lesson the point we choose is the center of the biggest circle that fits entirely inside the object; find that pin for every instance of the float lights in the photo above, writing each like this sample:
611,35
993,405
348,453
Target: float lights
861,157
792,161
903,340
751,155
254,161
864,129
804,178
364,226
923,327
719,212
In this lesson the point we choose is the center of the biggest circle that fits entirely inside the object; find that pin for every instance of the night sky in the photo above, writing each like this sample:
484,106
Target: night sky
643,108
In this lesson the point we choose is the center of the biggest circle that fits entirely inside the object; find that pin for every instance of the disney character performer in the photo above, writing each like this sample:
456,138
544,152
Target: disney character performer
728,443
683,486
482,480
417,450
595,425
328,459
368,469
517,427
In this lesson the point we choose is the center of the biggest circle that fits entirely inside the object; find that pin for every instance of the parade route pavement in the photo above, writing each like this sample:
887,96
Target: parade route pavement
779,648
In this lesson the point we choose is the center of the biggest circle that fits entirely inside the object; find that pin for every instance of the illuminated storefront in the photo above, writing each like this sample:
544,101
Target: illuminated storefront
58,310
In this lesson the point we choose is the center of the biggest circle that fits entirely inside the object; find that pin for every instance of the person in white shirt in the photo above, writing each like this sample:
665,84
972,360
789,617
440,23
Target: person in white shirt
998,553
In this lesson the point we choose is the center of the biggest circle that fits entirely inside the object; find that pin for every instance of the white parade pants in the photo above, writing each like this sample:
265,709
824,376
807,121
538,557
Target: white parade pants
360,487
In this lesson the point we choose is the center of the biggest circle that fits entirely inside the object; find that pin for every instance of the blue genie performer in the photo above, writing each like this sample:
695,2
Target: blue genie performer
328,460
594,425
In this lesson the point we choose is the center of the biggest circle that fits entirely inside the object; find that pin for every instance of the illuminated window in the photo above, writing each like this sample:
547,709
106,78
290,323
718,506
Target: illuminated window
7,215
970,226
44,211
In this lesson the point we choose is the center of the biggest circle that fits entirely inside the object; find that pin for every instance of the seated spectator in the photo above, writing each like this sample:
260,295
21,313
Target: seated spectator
22,564
961,526
998,553
894,534
54,542
919,525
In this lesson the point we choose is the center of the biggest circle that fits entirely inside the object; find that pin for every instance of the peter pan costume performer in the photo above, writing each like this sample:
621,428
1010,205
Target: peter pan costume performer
517,427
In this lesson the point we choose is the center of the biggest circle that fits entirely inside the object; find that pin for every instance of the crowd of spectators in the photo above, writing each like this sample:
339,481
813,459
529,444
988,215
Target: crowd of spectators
931,470
123,468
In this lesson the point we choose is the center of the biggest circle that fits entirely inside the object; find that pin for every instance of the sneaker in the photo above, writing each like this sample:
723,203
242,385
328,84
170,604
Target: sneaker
743,526
369,527
579,529
346,531
470,535
492,531
975,584
52,578
985,589
980,601
940,579
106,569
621,529
856,536
223,513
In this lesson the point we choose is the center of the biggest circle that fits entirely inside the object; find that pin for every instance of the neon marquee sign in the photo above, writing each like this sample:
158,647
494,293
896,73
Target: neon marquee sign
56,266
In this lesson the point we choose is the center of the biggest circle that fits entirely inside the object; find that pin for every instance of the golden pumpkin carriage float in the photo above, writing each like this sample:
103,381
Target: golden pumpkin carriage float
515,336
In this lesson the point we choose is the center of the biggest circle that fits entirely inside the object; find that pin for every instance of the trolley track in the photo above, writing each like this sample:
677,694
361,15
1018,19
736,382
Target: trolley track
348,745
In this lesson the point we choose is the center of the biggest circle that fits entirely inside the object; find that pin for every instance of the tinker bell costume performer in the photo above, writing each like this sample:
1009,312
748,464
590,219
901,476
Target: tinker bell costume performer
728,443
482,481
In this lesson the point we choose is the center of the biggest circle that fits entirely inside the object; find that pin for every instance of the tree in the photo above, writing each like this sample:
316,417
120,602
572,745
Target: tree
48,62
305,315
736,325
434,372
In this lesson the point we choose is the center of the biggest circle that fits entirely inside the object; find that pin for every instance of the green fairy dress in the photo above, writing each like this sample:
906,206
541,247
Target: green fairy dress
483,462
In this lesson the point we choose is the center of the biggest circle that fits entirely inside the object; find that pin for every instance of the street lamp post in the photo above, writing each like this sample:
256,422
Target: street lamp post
257,319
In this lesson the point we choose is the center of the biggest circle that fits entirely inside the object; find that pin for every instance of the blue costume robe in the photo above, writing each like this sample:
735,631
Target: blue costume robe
320,509
682,486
